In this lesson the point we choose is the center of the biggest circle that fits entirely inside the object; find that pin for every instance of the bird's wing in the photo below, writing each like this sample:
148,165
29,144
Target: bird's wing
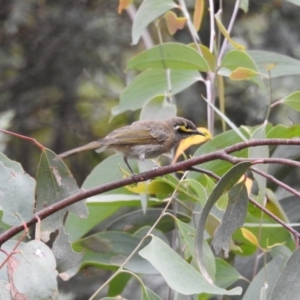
137,133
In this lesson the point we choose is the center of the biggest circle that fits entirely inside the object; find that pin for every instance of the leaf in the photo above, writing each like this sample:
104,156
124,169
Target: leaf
233,217
223,186
198,14
244,5
259,153
284,65
287,285
250,236
208,56
281,131
152,83
268,276
134,220
179,275
37,261
17,191
11,164
149,295
188,234
158,108
173,22
293,101
242,74
226,275
109,250
169,56
225,33
117,285
123,4
236,59
65,257
148,11
54,183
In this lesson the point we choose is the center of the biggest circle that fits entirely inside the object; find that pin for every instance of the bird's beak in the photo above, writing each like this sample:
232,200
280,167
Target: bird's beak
199,132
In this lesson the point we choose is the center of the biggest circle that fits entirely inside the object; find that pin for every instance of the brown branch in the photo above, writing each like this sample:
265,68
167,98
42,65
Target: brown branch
181,166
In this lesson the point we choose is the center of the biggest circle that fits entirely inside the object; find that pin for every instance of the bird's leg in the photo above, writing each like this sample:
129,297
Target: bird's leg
126,162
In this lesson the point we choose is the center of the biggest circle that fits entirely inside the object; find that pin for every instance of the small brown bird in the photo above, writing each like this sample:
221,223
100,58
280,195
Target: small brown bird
143,139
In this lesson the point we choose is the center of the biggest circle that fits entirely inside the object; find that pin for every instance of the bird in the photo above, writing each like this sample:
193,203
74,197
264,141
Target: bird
142,139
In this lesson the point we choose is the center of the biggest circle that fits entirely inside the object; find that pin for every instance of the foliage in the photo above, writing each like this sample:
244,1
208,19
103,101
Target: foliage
174,220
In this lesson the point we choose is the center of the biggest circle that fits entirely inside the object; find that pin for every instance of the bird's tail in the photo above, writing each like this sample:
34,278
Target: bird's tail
90,146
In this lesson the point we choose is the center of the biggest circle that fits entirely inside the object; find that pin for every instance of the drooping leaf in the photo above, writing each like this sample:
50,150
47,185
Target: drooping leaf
225,32
148,11
54,183
258,153
286,287
17,191
198,14
223,186
233,217
149,295
65,257
179,275
188,234
267,277
169,56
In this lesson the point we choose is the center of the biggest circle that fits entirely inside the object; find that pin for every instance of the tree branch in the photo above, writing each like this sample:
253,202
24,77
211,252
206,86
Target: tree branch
181,166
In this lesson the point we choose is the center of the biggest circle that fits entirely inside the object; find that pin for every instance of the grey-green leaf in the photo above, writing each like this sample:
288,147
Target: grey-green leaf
179,275
233,217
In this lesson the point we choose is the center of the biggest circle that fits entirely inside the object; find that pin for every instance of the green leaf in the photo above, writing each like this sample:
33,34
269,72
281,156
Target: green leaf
284,132
223,186
235,59
226,275
287,285
179,275
17,190
65,257
152,83
148,12
37,261
258,153
11,164
109,250
117,285
169,56
284,65
54,183
134,220
293,101
158,108
149,295
188,234
268,275
233,217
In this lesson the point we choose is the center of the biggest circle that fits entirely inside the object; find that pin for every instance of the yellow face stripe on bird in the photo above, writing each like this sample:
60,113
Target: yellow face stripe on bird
184,128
